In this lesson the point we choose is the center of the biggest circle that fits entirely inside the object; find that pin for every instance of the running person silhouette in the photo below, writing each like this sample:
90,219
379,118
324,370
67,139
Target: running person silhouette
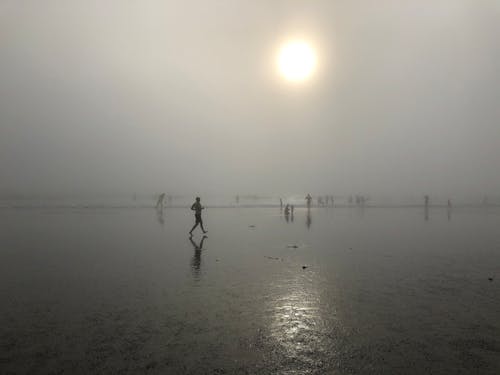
197,207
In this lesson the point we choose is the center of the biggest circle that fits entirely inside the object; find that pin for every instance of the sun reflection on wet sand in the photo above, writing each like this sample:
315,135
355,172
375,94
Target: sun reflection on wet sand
297,324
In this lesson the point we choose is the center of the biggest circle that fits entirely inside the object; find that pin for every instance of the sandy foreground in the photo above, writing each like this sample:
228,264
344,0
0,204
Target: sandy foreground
333,291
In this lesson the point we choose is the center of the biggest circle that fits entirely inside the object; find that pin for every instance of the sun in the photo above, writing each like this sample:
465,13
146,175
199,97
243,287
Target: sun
296,61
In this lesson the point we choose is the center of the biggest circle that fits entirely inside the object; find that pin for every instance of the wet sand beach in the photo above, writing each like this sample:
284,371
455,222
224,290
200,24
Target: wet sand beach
338,291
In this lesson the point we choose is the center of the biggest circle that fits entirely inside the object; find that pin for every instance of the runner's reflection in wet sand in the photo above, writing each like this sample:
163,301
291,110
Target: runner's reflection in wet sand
196,260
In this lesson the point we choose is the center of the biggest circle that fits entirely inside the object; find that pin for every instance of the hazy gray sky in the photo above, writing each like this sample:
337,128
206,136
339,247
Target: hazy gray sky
183,96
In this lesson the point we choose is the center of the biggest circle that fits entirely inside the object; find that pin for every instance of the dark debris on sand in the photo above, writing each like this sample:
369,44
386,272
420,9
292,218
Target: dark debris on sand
273,258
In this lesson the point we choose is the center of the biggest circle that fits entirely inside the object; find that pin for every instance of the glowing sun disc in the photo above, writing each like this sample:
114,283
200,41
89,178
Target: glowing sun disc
296,61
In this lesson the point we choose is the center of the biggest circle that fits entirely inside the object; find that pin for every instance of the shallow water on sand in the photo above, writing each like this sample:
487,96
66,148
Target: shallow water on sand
383,291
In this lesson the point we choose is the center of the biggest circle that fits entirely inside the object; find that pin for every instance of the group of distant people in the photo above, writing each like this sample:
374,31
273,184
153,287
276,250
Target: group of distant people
360,200
324,202
288,208
321,203
328,200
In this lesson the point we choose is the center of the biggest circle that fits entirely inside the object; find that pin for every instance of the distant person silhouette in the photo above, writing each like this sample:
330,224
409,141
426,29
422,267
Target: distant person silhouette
281,204
159,203
197,207
426,200
308,200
